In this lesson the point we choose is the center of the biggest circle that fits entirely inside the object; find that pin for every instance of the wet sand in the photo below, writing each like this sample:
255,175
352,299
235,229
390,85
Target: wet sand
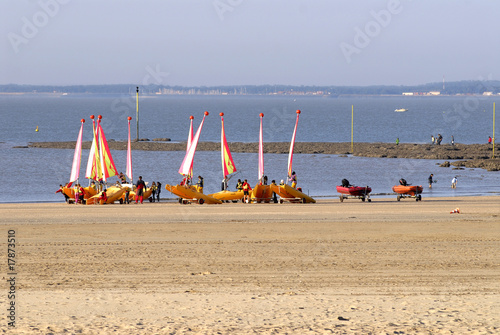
353,267
469,155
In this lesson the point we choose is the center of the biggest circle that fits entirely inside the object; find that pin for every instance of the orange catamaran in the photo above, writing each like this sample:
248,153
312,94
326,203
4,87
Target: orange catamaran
185,192
101,166
228,168
287,192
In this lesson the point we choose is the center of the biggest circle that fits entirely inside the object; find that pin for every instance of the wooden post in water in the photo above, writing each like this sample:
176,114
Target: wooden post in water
137,110
493,154
352,129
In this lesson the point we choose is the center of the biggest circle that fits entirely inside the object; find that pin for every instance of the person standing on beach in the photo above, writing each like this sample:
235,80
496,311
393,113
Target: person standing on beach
61,190
239,185
275,198
489,139
246,191
430,180
153,191
293,179
432,139
199,184
454,182
141,185
397,141
452,140
77,193
158,190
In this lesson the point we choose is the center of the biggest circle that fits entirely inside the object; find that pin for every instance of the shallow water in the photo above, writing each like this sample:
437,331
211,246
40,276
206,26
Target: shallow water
34,174
317,174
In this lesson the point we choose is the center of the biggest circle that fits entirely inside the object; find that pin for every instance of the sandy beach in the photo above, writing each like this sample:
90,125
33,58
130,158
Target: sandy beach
384,267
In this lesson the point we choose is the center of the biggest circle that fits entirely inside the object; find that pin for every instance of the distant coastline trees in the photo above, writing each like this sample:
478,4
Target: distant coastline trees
452,88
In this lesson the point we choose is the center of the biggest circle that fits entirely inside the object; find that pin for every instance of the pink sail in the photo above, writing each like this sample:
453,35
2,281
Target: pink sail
189,141
292,145
261,150
128,170
75,169
227,160
187,163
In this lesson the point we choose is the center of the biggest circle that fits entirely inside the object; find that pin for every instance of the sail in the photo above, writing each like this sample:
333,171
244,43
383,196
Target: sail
75,169
227,160
107,163
94,164
189,141
187,163
128,171
292,144
261,150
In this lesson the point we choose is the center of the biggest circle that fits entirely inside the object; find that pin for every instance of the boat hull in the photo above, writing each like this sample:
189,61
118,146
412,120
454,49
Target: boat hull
189,194
89,192
409,189
261,193
113,193
288,193
228,195
356,191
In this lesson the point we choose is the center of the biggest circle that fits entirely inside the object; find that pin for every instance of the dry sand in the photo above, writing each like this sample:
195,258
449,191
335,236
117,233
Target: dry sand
384,267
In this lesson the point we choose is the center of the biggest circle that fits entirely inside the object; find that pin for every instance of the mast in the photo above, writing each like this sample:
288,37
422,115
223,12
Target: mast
128,170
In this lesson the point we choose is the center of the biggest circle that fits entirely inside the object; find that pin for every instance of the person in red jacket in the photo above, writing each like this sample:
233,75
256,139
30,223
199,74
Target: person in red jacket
141,187
246,191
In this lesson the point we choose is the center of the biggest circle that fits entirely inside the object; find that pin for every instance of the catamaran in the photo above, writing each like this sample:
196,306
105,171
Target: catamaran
228,168
287,192
185,192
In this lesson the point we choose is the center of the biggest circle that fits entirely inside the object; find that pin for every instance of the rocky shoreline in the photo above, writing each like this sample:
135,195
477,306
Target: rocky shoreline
462,155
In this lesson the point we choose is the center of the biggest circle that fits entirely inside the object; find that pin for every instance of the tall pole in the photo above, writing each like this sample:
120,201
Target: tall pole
352,129
493,155
137,110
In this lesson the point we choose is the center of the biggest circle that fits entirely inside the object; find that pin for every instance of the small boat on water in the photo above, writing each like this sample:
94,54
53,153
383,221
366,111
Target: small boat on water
360,192
401,110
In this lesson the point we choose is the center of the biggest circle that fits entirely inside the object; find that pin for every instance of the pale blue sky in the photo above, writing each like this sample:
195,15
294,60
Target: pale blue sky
232,42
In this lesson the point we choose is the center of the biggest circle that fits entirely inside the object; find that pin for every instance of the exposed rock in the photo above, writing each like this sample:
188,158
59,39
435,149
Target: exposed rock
477,155
445,164
162,139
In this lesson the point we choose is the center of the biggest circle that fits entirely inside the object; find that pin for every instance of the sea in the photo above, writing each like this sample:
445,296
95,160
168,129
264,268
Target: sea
33,175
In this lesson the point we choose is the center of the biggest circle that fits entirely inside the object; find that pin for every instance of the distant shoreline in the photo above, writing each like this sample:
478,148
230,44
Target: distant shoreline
462,155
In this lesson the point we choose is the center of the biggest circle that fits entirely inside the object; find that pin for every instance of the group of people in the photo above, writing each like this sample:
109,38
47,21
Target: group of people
246,188
438,139
453,181
141,187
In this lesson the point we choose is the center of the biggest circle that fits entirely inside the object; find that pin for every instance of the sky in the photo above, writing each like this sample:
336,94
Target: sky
248,42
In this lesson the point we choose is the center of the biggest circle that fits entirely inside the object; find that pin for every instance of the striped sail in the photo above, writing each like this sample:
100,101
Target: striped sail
107,163
227,160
